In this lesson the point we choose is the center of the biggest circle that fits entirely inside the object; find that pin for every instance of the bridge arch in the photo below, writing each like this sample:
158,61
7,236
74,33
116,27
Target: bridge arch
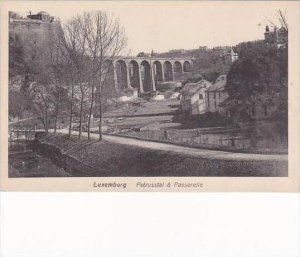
146,76
158,71
134,74
168,70
187,66
178,70
121,74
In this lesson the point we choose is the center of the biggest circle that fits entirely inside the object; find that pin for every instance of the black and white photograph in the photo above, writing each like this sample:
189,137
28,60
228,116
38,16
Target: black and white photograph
149,128
97,92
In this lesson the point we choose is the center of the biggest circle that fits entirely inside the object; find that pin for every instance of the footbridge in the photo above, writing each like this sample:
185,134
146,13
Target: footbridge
17,135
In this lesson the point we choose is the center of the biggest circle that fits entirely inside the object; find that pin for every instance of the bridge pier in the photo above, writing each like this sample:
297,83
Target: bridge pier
163,73
140,80
128,76
115,77
172,72
152,77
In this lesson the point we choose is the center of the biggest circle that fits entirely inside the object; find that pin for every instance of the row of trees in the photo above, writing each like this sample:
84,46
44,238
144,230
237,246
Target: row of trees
67,70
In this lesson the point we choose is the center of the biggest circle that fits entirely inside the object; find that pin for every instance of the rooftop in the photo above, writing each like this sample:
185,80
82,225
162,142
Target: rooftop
219,84
192,88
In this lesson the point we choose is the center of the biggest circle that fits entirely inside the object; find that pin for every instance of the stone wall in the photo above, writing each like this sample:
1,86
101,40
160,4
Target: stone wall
196,139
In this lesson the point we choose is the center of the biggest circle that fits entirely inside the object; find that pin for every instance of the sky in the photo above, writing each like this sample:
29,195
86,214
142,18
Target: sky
162,26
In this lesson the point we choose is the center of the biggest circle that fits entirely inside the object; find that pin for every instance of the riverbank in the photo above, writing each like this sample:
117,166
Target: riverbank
25,162
116,156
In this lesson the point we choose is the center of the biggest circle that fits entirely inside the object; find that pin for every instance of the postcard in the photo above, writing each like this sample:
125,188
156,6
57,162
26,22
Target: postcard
150,96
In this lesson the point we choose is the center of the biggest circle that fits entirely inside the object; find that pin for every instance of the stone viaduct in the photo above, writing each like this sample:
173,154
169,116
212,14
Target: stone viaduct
143,73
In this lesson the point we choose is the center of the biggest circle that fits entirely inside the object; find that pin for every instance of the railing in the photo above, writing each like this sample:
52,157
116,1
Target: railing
18,134
21,129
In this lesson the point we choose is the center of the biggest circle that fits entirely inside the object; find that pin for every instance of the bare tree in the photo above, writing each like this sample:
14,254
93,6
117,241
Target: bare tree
56,66
112,42
92,40
92,30
69,75
104,40
70,79
75,44
283,20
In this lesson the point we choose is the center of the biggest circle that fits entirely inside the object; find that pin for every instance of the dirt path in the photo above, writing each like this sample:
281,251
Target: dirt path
201,153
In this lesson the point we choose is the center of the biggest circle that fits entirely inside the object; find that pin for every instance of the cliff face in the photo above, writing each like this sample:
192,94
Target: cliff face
29,38
26,28
31,51
28,41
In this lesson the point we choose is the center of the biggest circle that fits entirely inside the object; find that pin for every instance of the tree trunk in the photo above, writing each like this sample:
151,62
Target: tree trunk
100,117
71,110
100,106
56,112
80,115
91,110
46,120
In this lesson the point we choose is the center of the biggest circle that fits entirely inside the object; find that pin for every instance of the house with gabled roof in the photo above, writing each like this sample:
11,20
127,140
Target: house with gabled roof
193,97
216,94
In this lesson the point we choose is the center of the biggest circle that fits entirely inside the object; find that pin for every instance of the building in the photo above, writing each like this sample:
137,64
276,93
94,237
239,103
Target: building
202,97
177,51
225,60
216,94
42,16
278,37
193,97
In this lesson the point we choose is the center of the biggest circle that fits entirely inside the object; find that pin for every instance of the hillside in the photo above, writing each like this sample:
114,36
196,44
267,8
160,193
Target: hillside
28,39
30,44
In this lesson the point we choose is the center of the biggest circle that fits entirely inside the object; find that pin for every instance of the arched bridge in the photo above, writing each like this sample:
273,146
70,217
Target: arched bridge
143,73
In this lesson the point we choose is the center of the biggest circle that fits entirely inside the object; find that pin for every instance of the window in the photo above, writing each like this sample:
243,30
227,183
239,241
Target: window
200,96
215,104
219,95
214,95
